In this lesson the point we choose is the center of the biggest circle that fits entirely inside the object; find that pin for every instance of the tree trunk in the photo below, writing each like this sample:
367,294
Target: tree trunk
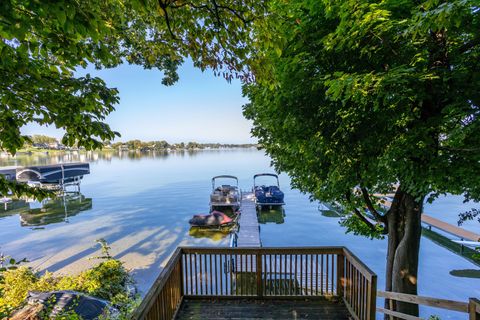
404,232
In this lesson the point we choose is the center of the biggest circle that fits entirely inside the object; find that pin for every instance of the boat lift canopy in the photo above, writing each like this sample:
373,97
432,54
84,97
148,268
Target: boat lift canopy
224,177
265,174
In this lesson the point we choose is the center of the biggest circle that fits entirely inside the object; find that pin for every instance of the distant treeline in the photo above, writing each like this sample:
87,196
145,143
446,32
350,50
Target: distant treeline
164,145
46,142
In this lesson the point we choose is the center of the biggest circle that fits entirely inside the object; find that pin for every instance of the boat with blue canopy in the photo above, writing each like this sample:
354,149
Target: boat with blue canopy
267,196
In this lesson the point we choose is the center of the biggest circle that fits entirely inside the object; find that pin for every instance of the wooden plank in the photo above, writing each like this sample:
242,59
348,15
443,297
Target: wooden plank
398,314
261,309
427,301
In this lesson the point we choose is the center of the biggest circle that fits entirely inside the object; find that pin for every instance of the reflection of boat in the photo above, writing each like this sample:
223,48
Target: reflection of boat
225,195
275,215
214,220
55,210
267,195
215,235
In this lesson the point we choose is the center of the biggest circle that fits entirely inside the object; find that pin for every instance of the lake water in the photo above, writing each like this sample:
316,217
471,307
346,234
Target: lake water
141,204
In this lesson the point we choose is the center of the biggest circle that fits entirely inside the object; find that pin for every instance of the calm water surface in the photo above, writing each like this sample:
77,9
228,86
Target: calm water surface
141,205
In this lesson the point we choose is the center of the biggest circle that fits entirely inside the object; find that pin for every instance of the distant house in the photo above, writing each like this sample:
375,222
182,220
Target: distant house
40,145
56,146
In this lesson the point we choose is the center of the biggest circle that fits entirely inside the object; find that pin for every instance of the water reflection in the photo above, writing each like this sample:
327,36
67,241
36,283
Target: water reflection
106,155
329,210
56,210
214,235
273,215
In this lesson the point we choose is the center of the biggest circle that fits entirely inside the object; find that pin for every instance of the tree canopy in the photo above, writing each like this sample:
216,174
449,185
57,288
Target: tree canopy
43,44
354,99
370,94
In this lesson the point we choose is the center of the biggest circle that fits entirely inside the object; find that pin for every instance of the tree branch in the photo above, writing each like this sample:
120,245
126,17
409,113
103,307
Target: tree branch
370,206
163,6
360,215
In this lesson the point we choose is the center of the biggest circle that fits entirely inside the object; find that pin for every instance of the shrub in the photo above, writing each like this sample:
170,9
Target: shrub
107,281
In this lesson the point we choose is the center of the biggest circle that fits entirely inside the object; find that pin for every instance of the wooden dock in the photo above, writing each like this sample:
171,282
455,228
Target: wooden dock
450,229
248,234
444,226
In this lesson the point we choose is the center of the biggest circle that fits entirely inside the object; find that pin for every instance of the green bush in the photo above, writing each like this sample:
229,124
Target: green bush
107,281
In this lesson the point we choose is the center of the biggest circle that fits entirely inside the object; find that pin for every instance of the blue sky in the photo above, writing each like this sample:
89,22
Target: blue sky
199,107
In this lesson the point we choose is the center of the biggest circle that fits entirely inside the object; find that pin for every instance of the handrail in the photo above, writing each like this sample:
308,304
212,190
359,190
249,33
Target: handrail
359,287
472,307
157,297
426,301
362,267
264,250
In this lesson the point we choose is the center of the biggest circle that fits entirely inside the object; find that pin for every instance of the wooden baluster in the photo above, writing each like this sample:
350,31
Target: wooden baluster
332,280
327,265
340,274
311,274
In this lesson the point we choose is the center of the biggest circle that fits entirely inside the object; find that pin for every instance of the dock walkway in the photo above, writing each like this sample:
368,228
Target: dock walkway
451,229
249,229
444,226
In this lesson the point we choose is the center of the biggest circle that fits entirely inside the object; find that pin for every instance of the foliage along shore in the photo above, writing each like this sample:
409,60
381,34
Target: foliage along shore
41,143
107,280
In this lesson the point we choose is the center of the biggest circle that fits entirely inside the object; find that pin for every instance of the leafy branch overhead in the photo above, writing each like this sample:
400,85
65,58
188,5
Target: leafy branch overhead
366,96
356,99
43,45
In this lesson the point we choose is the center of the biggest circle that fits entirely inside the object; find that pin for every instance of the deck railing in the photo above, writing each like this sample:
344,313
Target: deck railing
472,307
262,273
360,285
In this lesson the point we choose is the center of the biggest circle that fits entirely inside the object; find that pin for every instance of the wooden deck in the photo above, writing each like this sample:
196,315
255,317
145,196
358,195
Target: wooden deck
249,229
261,309
319,283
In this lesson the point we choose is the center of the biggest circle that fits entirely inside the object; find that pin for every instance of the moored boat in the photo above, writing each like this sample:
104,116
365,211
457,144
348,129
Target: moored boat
62,173
215,219
267,196
225,195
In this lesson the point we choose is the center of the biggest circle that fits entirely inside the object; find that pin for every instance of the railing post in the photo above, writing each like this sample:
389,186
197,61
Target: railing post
259,274
474,309
181,272
340,274
372,298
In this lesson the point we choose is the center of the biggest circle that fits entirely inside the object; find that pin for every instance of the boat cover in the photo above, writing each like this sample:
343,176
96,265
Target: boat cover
53,173
268,195
214,219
